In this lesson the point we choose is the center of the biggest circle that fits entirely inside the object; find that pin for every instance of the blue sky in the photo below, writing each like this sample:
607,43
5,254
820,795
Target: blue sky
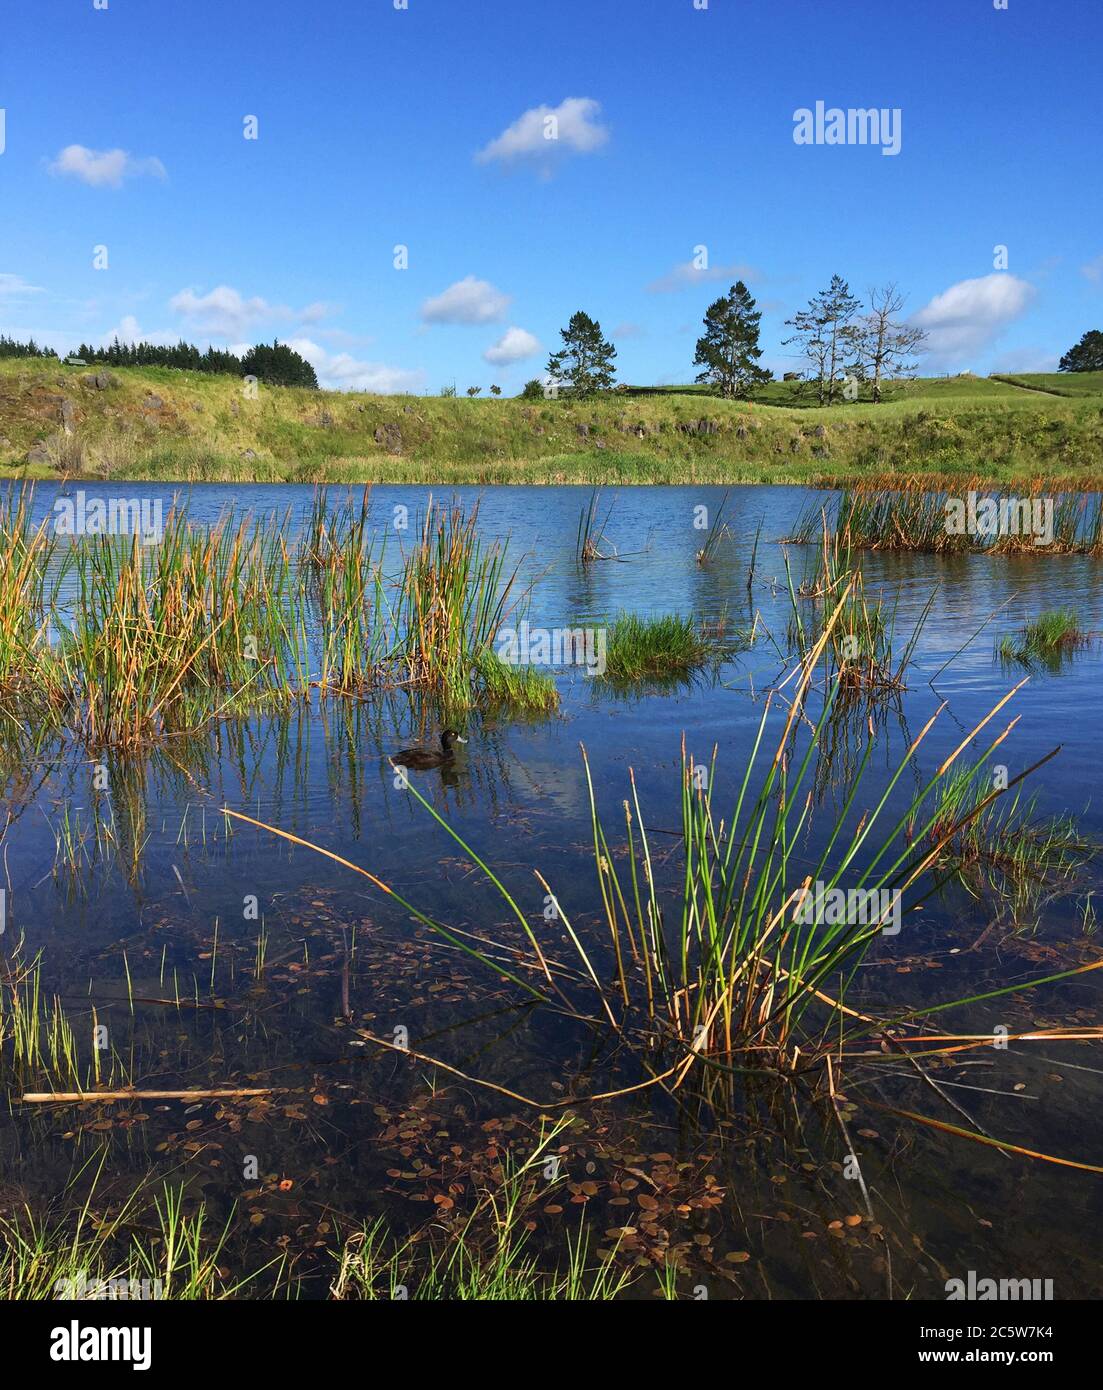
378,127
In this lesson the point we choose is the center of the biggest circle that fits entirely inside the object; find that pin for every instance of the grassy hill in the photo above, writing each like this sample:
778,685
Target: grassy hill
159,424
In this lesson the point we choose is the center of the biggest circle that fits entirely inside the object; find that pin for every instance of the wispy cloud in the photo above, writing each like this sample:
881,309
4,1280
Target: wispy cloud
467,301
514,345
686,275
104,168
545,134
968,316
1093,271
15,287
342,372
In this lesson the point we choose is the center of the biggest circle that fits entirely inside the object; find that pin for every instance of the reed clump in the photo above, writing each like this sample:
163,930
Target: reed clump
642,648
124,642
1049,640
913,517
861,649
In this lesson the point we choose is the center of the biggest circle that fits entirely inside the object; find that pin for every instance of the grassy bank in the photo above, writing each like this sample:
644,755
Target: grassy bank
155,424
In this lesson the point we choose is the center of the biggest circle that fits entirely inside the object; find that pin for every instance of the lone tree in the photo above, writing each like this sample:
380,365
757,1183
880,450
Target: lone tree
1086,356
584,364
728,349
884,346
827,336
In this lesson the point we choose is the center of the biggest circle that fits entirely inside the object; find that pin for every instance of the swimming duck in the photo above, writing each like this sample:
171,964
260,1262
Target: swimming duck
428,757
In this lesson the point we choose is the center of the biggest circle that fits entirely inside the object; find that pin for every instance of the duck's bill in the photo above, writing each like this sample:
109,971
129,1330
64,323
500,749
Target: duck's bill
460,740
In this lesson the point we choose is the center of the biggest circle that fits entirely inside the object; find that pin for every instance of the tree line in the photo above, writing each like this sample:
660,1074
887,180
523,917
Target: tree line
274,363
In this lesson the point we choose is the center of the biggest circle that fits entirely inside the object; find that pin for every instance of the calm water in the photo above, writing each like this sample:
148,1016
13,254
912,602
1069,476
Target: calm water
359,1133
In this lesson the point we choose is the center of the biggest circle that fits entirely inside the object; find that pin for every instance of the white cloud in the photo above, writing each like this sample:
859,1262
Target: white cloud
467,301
15,287
629,330
514,345
544,133
128,330
226,313
343,372
686,275
1093,271
965,318
104,168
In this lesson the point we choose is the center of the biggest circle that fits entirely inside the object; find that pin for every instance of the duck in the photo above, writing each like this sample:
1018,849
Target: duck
429,757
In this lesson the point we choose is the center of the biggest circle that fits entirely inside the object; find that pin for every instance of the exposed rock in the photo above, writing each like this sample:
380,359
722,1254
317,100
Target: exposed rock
38,453
100,381
152,402
583,431
820,431
248,453
390,436
68,415
325,420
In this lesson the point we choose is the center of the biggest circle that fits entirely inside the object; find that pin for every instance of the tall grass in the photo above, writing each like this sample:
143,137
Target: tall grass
913,517
126,643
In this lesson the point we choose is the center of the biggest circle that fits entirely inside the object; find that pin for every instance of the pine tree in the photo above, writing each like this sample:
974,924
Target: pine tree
728,350
826,335
584,364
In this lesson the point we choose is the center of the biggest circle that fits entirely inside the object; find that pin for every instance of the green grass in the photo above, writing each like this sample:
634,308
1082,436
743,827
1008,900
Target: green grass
205,430
1072,384
641,648
521,688
1047,640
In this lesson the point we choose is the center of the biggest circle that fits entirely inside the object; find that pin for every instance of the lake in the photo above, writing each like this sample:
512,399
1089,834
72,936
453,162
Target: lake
218,955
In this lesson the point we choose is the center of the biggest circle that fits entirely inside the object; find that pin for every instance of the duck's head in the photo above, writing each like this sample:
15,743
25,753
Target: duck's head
449,737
